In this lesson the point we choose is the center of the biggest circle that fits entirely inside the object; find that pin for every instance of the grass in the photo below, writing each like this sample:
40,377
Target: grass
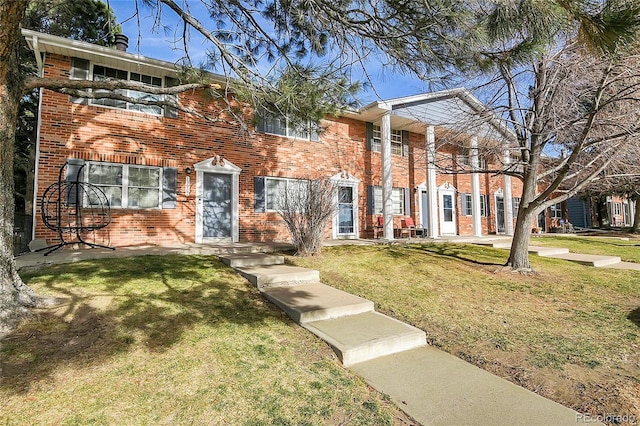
628,251
172,340
568,332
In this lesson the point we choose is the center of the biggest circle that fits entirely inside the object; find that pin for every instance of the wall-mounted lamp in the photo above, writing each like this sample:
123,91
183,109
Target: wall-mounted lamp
188,170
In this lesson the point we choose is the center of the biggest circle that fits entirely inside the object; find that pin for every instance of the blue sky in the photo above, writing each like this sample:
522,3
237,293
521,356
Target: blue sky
159,44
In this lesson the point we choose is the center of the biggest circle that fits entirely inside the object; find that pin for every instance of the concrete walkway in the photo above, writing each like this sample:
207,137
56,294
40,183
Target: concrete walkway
432,386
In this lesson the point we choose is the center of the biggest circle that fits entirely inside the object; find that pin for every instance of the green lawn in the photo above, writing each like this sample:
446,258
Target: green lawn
629,251
568,332
172,340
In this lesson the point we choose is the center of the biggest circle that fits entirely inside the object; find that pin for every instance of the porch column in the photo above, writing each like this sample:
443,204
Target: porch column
387,182
508,200
476,212
432,187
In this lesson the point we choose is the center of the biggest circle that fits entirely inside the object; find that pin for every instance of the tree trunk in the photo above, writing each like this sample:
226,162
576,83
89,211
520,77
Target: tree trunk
519,254
15,296
636,217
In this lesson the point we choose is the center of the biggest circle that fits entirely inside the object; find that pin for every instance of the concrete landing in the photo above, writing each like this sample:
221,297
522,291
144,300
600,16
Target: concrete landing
587,259
270,275
436,388
363,337
315,302
547,251
253,259
630,266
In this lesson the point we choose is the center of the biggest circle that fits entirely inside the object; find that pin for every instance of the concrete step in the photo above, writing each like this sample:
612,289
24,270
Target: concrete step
366,336
588,259
273,275
314,302
251,259
547,251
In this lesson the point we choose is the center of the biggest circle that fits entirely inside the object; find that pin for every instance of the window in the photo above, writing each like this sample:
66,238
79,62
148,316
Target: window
515,203
617,209
467,205
376,143
80,70
485,206
555,211
396,141
279,125
464,158
397,200
279,188
126,186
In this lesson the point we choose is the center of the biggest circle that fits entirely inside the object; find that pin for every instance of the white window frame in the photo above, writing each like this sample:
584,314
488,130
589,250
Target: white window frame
396,141
617,208
311,135
555,211
397,199
515,203
124,199
129,106
467,205
270,204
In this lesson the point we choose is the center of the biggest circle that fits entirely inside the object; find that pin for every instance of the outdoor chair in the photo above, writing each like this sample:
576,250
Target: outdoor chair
408,227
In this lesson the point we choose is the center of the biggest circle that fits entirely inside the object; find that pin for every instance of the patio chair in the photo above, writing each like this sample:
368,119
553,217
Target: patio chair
378,227
408,227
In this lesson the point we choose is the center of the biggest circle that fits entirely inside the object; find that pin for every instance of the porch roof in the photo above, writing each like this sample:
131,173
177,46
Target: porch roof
455,109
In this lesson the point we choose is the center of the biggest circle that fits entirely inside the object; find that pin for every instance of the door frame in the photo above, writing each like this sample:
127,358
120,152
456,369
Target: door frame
347,180
447,189
217,165
500,194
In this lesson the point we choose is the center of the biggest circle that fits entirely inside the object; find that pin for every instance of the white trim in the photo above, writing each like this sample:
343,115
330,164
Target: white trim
432,194
387,182
217,165
347,180
448,189
500,193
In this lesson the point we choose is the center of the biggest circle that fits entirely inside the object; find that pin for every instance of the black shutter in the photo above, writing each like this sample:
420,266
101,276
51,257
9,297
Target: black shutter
407,201
369,135
488,204
169,187
405,143
74,175
370,200
259,194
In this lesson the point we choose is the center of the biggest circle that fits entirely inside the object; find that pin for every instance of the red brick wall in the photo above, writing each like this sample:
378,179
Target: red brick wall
113,135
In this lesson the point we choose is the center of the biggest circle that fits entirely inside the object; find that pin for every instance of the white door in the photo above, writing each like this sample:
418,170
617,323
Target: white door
447,212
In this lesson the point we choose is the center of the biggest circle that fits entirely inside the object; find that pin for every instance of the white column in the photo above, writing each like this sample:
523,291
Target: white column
432,188
387,182
508,200
476,213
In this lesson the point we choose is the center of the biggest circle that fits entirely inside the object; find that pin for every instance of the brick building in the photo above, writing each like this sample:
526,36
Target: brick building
174,177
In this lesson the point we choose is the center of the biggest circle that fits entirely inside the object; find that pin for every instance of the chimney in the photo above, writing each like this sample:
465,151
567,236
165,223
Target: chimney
122,42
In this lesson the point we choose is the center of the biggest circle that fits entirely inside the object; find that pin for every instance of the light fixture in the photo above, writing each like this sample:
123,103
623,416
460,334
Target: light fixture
188,170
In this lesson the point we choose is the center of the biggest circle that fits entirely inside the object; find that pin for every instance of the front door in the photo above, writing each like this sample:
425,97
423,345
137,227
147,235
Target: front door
447,212
216,206
499,214
424,212
346,225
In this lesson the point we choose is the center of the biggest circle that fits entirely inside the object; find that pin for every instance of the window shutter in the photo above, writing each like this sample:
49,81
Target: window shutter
169,187
79,71
74,175
407,201
259,194
169,111
405,143
370,200
369,136
487,203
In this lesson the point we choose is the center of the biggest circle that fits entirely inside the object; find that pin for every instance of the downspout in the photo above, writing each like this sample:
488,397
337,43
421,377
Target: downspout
40,62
